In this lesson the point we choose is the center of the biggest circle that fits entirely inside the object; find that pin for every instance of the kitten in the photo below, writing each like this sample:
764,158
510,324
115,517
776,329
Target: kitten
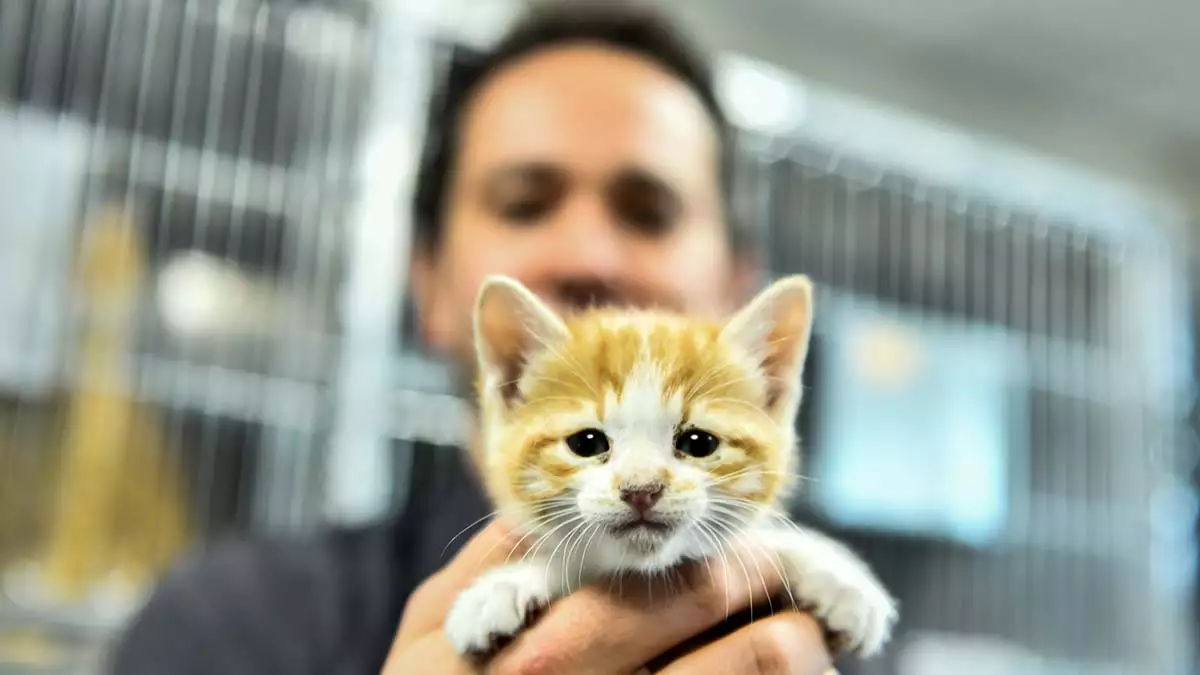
656,438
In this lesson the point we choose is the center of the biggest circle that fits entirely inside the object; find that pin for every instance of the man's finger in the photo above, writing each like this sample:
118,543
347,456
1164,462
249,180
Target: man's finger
787,643
616,630
424,653
427,608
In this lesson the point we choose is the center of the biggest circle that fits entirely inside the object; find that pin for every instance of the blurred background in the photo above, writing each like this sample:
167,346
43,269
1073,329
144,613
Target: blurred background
1000,203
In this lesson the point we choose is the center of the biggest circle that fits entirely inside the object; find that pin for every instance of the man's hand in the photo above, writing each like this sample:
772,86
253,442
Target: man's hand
598,632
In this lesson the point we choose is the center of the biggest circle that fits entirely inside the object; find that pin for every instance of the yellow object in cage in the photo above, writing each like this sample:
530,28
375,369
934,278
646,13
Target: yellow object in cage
119,513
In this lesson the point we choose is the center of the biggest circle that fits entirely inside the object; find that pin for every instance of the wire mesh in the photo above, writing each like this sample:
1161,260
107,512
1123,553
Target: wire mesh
196,288
210,162
1076,575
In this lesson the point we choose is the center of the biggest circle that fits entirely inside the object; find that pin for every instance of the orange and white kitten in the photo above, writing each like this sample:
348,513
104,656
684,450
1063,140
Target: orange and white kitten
630,441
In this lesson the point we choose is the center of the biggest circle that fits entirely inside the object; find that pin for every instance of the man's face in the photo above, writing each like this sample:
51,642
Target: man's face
590,175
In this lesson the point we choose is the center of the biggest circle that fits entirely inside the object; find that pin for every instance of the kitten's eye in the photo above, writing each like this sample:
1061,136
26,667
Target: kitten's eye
588,443
696,443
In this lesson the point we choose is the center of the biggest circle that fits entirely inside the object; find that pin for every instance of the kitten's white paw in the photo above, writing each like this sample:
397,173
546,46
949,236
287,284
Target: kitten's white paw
855,607
839,589
496,608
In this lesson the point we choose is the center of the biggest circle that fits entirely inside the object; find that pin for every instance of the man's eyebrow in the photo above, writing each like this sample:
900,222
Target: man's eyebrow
638,175
533,169
543,170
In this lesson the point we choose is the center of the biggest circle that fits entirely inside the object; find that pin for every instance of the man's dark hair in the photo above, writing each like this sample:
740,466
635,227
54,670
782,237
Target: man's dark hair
628,26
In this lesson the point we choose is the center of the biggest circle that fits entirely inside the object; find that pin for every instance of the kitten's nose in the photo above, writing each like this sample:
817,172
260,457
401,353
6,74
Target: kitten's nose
643,497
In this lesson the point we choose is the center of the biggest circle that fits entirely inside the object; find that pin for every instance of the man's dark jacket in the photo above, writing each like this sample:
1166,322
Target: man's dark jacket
322,606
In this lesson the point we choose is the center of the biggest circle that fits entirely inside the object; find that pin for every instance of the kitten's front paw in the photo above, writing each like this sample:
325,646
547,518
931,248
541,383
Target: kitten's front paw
496,608
856,609
840,590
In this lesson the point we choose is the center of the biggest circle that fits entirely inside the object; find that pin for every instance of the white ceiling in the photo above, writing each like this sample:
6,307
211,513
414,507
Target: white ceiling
1110,84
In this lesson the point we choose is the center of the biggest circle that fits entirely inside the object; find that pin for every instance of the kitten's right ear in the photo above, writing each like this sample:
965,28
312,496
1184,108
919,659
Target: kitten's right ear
511,325
775,329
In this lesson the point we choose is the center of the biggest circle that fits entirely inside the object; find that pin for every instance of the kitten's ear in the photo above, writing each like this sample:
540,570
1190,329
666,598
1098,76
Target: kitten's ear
511,325
775,328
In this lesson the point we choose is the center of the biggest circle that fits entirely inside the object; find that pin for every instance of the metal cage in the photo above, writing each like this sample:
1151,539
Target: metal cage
185,172
1097,445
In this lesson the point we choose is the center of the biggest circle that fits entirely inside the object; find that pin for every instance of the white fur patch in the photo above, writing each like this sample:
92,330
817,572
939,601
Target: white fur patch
498,605
637,421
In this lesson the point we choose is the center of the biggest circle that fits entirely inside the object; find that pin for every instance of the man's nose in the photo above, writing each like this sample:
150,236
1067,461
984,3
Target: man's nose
586,242
642,498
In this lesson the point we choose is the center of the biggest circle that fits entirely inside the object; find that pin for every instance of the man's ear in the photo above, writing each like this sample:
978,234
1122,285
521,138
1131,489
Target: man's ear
421,287
511,326
774,328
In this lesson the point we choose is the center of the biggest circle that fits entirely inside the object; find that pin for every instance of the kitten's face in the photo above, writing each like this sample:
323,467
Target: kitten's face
645,436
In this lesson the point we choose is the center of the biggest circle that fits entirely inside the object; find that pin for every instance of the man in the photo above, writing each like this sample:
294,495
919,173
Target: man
587,157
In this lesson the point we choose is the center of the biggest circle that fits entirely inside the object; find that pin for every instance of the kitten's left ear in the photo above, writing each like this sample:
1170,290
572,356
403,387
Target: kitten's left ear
511,326
775,328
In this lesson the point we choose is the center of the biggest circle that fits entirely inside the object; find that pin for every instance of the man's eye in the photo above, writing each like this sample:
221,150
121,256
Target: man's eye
525,194
645,204
647,217
524,210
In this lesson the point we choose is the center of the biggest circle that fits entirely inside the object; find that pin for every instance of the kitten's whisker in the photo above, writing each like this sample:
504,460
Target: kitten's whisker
560,544
778,563
707,532
746,512
742,501
512,550
724,547
550,533
736,474
775,561
745,404
739,517
621,575
753,471
735,535
571,399
784,338
567,538
508,383
462,531
670,579
704,380
537,544
569,553
752,508
572,364
564,383
562,511
544,513
583,556
517,545
709,387
736,379
745,572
